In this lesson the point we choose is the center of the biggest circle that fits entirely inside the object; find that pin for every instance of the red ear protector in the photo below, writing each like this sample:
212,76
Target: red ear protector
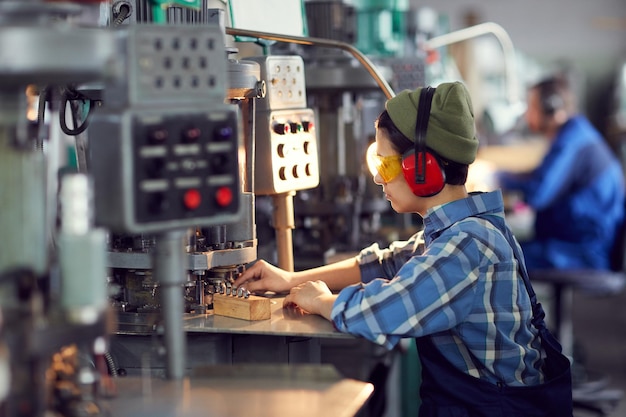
422,170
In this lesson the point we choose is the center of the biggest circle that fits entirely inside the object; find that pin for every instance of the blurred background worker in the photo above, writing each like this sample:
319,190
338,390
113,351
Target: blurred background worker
576,192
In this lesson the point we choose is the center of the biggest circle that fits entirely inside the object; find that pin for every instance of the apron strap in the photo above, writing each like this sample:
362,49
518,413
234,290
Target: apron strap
538,312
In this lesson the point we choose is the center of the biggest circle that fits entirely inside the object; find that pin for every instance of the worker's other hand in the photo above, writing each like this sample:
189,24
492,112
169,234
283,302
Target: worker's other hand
311,296
263,276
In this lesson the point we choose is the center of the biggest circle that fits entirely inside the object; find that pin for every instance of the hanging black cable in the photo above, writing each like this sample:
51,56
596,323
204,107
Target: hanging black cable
67,96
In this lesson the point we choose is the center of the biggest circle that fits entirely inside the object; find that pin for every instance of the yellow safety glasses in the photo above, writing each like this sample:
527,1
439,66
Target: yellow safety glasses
388,167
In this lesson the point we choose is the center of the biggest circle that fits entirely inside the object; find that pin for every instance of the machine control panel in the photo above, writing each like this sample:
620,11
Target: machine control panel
164,148
184,166
174,170
284,80
286,151
286,155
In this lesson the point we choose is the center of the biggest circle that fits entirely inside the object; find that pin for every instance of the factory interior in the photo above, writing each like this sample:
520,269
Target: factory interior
153,150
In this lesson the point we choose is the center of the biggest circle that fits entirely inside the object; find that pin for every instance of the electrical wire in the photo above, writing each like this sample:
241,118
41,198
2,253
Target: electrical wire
69,95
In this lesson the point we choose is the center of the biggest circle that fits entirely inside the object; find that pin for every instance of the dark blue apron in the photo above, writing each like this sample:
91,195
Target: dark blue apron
447,392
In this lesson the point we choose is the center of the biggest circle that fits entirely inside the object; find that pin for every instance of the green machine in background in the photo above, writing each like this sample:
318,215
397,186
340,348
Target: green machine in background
382,26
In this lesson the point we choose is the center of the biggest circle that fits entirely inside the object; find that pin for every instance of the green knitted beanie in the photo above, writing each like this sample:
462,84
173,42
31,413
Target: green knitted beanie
451,131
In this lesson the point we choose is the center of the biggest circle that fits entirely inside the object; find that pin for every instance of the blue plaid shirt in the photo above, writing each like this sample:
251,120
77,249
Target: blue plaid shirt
457,281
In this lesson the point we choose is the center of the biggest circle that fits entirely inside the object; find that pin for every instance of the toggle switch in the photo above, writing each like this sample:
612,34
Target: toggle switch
281,128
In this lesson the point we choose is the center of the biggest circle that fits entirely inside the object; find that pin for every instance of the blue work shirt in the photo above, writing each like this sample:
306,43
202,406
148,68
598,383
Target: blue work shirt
577,193
457,280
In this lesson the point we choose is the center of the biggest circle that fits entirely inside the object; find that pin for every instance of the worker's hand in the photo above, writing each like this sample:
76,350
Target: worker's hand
263,276
311,296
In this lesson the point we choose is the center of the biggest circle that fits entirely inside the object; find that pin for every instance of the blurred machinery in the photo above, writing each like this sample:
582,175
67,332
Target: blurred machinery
146,127
164,172
48,301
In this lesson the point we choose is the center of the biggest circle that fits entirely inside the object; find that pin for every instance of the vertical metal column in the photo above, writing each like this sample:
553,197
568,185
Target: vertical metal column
284,223
169,271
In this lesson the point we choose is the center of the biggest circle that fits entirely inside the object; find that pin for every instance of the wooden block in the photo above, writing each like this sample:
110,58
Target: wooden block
251,308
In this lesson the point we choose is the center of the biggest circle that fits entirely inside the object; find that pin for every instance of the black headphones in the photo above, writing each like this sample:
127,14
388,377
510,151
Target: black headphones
551,100
422,169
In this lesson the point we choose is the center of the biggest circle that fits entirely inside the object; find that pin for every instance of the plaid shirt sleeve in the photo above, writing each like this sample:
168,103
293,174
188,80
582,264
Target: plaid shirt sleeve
375,262
409,292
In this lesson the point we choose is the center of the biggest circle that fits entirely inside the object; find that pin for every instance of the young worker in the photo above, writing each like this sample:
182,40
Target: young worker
457,287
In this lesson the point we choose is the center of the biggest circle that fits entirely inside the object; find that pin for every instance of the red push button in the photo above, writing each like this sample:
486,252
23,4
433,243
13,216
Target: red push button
224,196
192,199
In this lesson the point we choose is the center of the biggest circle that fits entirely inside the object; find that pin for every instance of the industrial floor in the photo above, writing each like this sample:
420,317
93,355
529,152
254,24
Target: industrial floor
600,333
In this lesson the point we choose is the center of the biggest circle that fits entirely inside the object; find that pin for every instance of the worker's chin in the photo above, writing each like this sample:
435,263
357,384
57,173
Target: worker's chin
398,208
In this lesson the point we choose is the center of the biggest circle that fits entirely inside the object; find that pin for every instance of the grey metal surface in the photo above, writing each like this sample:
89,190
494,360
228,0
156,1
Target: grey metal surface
244,80
283,322
196,261
37,46
243,390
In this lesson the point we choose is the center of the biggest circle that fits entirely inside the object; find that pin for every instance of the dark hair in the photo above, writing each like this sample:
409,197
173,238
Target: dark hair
456,173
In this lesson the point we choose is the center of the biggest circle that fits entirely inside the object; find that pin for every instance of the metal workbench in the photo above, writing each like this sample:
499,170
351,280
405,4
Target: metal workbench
242,390
239,368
